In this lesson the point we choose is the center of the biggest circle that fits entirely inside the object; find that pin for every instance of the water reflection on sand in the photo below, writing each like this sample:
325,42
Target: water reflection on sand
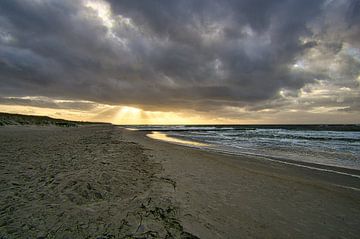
164,137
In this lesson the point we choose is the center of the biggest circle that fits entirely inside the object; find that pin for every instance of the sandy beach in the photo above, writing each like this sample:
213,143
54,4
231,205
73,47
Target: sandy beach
107,182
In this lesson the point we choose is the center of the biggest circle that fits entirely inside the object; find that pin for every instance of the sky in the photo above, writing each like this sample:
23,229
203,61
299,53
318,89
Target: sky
182,62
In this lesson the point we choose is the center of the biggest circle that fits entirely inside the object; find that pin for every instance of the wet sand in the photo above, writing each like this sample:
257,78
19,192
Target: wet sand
227,196
107,182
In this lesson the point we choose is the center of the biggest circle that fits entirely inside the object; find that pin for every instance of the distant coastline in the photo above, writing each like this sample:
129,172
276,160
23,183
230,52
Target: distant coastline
198,127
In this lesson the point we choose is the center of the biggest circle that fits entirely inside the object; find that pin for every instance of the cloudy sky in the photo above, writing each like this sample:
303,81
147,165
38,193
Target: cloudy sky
189,61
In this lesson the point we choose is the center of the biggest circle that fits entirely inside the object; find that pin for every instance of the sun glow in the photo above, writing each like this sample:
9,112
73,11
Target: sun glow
133,115
103,11
128,114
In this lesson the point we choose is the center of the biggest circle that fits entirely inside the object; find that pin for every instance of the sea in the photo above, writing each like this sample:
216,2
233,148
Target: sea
327,145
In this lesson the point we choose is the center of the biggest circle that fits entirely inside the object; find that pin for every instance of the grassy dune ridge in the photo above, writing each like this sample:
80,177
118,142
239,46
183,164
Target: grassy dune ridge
18,119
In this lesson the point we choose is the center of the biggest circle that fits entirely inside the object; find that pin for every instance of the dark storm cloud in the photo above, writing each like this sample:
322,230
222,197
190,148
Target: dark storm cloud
254,59
48,103
162,54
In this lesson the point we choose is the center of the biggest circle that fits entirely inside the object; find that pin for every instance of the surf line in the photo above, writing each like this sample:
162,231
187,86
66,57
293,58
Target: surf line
279,160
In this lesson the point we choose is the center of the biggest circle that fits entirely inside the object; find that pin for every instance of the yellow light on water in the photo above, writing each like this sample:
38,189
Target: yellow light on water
164,137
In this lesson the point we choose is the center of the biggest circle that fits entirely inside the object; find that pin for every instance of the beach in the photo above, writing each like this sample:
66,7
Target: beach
103,181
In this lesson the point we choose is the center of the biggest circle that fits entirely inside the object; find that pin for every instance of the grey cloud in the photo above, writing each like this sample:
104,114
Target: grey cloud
48,103
173,54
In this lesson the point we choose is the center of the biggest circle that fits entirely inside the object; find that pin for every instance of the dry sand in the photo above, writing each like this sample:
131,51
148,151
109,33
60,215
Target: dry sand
81,182
106,182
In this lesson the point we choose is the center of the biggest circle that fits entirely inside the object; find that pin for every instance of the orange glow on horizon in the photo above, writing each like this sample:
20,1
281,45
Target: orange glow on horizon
120,115
129,115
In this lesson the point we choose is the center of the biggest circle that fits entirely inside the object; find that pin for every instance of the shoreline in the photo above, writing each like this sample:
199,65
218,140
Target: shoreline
213,148
308,168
